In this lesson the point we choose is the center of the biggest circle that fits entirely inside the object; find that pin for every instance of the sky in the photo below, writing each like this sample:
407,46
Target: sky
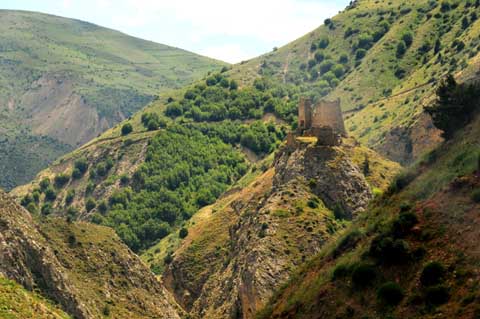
227,30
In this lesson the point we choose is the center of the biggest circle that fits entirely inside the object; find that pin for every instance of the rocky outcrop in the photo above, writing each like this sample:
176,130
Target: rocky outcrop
63,262
267,230
26,258
330,174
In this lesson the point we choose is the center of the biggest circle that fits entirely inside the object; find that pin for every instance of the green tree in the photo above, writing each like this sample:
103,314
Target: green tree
127,128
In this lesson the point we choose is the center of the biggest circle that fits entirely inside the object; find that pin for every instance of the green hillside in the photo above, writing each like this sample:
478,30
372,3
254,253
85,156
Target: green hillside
383,59
412,254
71,80
18,303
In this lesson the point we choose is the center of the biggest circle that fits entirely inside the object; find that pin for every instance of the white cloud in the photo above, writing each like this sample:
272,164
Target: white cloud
223,29
231,53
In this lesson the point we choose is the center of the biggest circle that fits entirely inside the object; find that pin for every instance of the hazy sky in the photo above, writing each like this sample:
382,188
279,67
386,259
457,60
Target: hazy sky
231,31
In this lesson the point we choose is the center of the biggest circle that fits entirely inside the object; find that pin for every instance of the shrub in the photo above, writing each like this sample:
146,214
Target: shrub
76,174
340,213
433,273
323,44
103,207
44,183
401,49
82,165
127,129
168,258
348,242
69,197
390,294
183,232
90,204
32,208
363,275
360,54
90,187
436,295
407,38
389,250
61,180
403,224
47,209
401,181
341,271
50,194
476,196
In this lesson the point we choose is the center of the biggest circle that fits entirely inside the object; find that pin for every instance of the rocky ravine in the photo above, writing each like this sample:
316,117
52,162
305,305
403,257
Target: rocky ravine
264,231
34,258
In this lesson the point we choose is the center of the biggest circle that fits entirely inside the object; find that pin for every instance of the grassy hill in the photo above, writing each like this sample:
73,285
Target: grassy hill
18,303
413,254
71,80
383,59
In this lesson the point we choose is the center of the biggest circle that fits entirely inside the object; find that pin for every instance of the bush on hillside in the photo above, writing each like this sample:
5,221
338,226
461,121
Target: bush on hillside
44,183
81,165
363,275
455,105
69,197
127,128
433,274
90,204
341,271
183,232
360,54
403,224
50,194
61,180
390,294
389,250
476,196
437,295
401,49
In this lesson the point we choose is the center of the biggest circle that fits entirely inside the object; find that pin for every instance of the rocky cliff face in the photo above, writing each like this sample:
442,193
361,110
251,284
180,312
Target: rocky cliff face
85,268
264,231
330,173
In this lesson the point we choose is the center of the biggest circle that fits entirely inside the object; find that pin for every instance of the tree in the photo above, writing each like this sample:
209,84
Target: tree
183,232
127,129
366,166
81,165
390,294
61,180
50,194
90,204
401,49
44,183
454,105
323,44
360,54
407,38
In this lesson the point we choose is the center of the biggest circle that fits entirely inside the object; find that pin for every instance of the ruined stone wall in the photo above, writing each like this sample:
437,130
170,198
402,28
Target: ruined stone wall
329,114
304,113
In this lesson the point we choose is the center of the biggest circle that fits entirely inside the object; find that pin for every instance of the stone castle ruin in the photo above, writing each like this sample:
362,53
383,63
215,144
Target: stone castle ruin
323,120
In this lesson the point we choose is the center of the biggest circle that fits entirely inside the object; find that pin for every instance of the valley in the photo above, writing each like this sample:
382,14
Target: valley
337,176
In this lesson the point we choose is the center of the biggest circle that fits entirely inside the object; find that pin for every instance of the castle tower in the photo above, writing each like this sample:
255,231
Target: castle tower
329,114
304,114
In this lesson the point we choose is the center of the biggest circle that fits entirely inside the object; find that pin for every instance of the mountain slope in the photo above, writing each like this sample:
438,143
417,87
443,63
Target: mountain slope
440,197
18,303
84,268
242,248
71,80
383,59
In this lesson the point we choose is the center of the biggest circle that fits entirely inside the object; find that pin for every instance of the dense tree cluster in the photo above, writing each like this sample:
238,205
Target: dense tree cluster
219,99
184,169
